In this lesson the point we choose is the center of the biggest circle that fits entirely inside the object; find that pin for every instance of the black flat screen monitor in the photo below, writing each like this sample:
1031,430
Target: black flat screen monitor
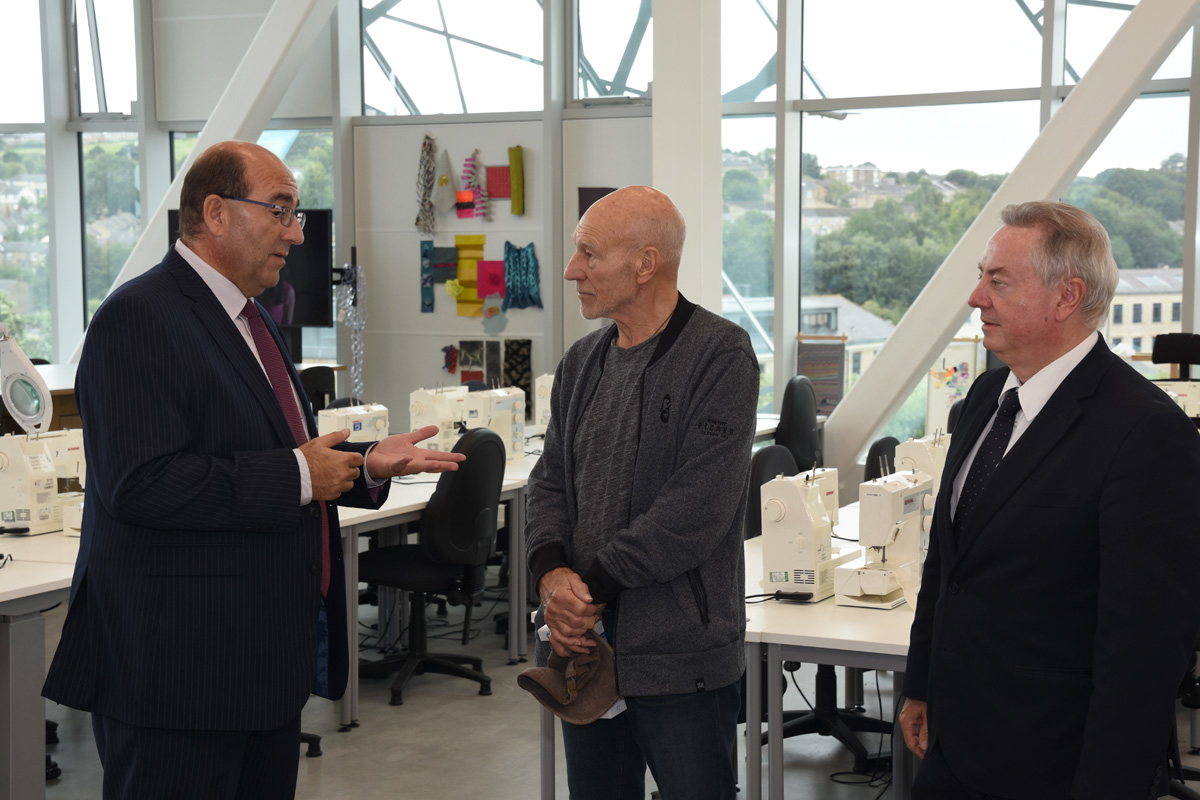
303,298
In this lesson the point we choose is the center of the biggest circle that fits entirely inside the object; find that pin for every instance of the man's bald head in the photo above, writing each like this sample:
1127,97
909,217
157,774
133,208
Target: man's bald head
643,217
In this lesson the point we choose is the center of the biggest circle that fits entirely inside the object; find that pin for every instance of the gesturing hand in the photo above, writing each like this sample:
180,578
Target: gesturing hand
332,471
399,455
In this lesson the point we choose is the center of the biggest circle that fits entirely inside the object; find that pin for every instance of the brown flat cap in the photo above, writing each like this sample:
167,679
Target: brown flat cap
578,689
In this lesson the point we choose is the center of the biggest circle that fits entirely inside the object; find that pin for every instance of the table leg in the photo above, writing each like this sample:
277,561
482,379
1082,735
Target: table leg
547,749
516,568
753,721
349,705
22,742
774,722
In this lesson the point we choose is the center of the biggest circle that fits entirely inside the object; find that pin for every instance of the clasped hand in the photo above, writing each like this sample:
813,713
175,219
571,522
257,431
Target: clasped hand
333,472
570,612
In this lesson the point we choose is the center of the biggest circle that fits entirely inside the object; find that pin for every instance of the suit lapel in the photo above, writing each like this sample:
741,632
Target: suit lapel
229,342
1039,439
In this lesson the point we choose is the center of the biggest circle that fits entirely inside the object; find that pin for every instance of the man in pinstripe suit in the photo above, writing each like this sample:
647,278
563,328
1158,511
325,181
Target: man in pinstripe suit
208,600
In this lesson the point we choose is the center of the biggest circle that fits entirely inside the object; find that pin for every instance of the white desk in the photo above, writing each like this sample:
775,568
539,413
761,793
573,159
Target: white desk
38,577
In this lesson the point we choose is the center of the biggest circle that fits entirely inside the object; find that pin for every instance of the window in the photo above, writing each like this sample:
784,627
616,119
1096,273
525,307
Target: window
1116,340
1137,344
615,56
749,39
452,58
22,50
1137,312
1117,312
1156,312
104,48
748,235
24,273
111,210
1090,26
1176,312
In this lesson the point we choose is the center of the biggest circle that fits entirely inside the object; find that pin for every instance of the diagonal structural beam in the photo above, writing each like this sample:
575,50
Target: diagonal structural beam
283,41
1046,170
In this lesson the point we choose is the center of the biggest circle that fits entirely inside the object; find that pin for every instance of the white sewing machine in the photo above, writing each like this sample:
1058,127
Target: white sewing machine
894,514
70,468
30,463
1186,395
501,411
367,423
445,408
798,552
543,386
927,454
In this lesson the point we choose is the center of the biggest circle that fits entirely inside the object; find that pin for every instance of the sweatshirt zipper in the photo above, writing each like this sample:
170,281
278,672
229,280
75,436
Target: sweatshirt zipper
699,593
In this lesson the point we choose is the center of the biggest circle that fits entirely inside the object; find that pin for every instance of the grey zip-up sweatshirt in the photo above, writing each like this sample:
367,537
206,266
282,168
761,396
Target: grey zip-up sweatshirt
676,572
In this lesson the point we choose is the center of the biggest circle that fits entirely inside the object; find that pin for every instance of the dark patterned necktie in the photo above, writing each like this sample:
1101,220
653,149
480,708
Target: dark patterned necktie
272,361
987,459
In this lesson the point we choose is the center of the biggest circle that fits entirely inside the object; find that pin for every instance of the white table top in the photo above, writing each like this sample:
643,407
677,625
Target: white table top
27,587
50,548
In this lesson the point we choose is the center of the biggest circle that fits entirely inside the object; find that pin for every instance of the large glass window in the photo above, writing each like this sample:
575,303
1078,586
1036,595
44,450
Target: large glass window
112,215
24,243
1090,27
749,40
615,48
748,236
883,47
104,48
21,64
469,56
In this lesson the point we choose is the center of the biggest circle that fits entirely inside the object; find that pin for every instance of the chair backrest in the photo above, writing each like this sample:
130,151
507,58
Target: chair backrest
955,412
881,455
345,402
319,385
459,522
765,465
797,429
476,386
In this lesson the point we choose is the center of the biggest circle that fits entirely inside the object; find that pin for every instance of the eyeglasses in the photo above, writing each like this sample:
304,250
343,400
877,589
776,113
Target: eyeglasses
281,213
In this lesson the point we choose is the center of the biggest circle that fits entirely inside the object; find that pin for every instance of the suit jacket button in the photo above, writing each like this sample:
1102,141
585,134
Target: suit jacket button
314,568
313,509
953,587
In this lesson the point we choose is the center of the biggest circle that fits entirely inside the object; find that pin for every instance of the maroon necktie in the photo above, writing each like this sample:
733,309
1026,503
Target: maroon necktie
272,361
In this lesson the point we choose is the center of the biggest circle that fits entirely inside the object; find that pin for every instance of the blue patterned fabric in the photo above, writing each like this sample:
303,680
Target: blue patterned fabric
520,277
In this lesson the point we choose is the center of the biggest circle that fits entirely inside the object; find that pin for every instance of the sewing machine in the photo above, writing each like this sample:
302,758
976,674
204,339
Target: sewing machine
452,408
445,408
30,463
1186,395
501,411
543,386
895,512
367,423
70,469
927,455
798,552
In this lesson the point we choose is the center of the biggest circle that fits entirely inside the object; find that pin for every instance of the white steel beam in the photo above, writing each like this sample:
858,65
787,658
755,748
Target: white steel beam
288,32
789,162
1046,170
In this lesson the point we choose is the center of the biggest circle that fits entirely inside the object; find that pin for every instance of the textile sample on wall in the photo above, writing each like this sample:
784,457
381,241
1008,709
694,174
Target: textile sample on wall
450,364
494,319
465,203
498,184
470,178
445,264
470,361
426,172
470,250
444,187
518,367
426,276
516,177
521,289
491,278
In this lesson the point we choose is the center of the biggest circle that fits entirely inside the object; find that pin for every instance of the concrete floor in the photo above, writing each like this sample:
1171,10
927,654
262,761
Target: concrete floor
447,742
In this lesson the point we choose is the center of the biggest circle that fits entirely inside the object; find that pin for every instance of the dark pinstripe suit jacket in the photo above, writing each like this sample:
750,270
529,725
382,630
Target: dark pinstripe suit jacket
196,595
1050,639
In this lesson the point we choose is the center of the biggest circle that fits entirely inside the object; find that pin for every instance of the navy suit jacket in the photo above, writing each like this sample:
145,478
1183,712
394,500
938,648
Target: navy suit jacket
196,595
1049,642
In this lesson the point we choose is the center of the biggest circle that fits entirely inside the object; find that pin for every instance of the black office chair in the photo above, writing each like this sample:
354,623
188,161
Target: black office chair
881,458
1189,694
476,386
955,413
458,532
345,402
319,385
797,429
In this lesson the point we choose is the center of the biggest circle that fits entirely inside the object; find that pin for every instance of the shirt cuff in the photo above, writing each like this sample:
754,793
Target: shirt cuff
371,482
305,478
